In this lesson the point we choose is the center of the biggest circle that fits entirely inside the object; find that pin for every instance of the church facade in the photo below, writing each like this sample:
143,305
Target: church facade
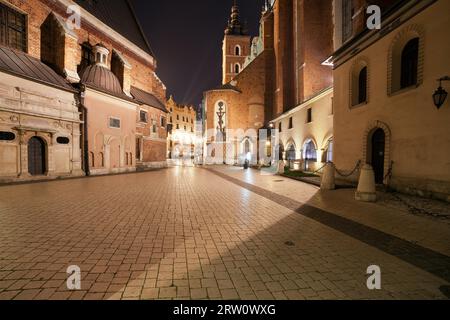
281,76
77,99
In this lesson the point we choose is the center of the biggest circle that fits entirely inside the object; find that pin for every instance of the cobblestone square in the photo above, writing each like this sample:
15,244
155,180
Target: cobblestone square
212,233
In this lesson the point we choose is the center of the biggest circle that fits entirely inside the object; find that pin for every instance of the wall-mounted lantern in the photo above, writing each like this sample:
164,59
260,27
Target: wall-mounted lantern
440,95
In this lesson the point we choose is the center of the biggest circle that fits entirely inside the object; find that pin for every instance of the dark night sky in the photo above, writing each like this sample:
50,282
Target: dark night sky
186,38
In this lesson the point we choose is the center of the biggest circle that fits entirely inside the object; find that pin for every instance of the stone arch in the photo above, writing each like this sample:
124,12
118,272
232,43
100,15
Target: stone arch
394,55
374,126
305,142
355,71
327,148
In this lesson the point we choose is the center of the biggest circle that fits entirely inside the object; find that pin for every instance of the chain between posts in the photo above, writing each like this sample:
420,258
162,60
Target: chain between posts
357,167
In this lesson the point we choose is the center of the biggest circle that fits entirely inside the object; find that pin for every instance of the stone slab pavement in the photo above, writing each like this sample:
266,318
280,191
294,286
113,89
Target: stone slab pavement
190,233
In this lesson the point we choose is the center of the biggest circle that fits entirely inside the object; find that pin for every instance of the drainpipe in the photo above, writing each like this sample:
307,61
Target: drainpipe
85,147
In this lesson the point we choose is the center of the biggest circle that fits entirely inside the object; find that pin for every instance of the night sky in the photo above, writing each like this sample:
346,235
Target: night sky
186,38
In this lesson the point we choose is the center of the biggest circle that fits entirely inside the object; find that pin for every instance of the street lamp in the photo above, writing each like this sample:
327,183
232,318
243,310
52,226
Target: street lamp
440,95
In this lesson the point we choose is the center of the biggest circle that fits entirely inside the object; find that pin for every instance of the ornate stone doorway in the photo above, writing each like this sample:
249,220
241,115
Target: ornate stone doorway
36,157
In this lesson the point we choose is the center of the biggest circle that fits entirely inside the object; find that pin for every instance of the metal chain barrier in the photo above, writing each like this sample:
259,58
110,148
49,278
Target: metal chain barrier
357,167
318,170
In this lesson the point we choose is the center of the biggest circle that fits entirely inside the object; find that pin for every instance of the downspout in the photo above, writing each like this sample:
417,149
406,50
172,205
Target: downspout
85,147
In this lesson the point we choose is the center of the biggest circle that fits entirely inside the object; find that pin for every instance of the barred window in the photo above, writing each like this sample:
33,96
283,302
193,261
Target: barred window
13,32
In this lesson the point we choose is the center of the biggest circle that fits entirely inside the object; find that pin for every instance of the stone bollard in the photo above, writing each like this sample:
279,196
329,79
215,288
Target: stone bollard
281,166
367,191
328,178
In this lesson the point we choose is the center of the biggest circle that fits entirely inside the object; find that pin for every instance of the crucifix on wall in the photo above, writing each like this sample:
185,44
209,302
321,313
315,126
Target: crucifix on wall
221,123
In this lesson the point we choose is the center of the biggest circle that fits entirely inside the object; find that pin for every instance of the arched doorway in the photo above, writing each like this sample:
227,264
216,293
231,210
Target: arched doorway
309,154
378,142
36,157
291,155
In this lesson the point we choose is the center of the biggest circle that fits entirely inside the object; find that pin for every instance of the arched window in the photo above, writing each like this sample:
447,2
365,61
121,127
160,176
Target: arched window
409,63
237,68
406,62
310,153
247,146
237,50
359,83
291,153
362,86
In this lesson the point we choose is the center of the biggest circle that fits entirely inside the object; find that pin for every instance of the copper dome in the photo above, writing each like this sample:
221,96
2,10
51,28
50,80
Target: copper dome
103,79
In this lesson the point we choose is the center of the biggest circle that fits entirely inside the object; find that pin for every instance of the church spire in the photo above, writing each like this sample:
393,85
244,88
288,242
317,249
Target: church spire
235,27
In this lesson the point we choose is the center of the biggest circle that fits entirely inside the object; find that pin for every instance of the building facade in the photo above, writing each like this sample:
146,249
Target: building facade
283,77
182,137
384,84
68,73
303,106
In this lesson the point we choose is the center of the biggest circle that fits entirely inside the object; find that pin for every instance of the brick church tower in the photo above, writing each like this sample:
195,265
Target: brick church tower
236,46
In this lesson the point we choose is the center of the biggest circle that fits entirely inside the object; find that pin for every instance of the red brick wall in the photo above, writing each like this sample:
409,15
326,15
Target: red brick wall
317,41
142,73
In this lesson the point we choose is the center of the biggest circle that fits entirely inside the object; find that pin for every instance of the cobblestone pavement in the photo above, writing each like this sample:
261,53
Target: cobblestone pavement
190,233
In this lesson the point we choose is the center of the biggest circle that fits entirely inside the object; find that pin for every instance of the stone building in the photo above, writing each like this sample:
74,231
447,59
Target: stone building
384,113
182,135
67,105
282,78
304,94
237,107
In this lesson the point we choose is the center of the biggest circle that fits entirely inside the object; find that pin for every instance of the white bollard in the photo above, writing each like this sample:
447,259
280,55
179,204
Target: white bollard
367,191
328,181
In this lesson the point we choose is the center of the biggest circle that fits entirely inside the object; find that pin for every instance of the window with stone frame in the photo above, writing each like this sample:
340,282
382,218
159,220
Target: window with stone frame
114,123
13,28
154,126
143,116
163,122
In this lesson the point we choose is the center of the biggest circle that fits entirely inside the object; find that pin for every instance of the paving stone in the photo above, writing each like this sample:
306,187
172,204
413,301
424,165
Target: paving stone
198,234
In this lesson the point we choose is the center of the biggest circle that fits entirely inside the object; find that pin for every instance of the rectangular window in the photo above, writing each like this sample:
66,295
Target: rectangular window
291,123
154,127
143,116
347,19
13,30
163,122
178,126
280,127
114,123
309,118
